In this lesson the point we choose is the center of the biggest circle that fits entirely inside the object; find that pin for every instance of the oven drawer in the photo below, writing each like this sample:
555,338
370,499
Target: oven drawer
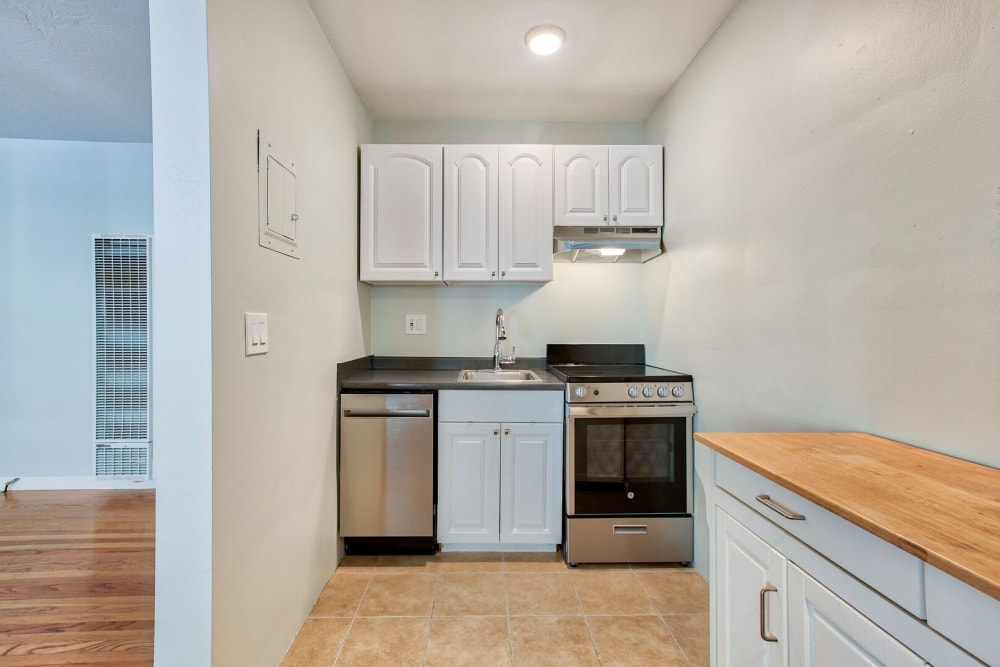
632,539
886,568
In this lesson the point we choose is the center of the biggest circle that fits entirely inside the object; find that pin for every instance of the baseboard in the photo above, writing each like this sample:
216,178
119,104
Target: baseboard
73,483
499,547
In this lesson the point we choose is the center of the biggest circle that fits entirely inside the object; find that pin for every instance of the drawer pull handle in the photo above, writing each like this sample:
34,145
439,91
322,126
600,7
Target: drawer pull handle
766,501
764,634
627,529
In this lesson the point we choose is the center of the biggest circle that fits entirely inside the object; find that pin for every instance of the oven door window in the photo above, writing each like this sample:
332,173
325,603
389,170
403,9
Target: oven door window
630,466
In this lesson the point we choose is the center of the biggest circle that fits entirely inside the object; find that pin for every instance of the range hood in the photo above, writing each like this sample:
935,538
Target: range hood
606,245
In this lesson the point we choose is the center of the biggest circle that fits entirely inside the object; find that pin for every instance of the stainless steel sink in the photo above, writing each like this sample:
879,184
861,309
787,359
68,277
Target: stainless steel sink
488,375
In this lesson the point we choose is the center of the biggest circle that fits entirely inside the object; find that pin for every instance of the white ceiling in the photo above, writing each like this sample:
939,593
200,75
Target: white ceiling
75,70
446,60
79,69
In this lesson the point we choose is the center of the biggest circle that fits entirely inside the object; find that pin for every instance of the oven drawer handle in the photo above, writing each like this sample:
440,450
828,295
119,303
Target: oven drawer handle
766,501
629,529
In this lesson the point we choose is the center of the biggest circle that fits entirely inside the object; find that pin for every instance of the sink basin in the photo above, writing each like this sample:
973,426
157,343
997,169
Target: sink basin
488,375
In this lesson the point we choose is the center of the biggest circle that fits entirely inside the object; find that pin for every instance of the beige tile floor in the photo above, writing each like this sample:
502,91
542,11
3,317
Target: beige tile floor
487,609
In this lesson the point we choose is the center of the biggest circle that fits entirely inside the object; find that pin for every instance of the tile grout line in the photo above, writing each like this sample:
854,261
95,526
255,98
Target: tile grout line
659,615
354,617
586,621
430,617
506,603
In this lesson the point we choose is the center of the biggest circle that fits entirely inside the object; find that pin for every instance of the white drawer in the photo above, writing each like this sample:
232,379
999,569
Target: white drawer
963,614
888,569
500,406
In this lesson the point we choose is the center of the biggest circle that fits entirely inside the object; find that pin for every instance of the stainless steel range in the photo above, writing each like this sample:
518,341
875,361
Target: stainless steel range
629,459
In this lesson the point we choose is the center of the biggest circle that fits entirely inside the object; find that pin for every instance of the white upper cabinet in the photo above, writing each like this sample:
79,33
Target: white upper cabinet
456,214
581,186
497,214
609,185
471,213
400,209
635,192
525,213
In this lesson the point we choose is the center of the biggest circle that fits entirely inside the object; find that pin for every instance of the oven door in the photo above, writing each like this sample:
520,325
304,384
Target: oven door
628,459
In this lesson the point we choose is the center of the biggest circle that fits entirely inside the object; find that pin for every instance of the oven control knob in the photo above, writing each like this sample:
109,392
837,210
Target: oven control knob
580,392
631,495
647,392
633,392
677,391
662,392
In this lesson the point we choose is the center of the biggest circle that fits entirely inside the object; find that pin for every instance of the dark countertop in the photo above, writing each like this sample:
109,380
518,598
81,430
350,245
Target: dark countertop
435,373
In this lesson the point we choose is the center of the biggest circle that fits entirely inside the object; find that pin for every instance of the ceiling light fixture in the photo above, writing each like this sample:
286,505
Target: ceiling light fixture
545,39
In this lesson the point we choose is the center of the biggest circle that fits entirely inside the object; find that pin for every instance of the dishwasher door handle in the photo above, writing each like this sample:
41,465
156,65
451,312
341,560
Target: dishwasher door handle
383,414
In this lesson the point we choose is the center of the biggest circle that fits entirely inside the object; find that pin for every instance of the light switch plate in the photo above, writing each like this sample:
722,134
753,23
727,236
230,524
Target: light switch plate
256,333
416,324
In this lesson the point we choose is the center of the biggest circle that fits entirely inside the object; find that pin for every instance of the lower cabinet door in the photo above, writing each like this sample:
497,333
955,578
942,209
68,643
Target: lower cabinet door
825,631
468,483
531,484
750,598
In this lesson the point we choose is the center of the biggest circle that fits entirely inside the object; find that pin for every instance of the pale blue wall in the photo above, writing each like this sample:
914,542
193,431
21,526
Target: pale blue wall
54,196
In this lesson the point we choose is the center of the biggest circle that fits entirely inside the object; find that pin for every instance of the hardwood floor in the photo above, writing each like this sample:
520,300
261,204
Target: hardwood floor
76,578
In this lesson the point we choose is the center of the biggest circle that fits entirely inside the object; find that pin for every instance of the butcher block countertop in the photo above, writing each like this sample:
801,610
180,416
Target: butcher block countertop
942,510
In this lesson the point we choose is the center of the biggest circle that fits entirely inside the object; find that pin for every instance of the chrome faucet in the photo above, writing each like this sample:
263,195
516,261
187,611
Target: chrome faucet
501,334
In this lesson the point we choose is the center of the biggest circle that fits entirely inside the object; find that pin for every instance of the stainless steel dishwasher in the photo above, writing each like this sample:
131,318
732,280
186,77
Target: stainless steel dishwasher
387,472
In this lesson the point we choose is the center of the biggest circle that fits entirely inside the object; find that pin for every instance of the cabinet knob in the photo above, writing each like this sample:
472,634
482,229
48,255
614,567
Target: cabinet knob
496,431
493,273
605,218
614,218
503,273
506,431
435,274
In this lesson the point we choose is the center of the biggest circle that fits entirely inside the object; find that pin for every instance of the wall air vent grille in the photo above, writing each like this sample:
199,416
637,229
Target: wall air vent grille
121,460
121,331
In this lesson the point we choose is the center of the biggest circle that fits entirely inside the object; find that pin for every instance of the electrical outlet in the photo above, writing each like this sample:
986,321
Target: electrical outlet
416,324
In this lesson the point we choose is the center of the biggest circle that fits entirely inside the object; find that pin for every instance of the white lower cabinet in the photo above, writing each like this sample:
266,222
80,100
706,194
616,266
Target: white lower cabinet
772,613
825,631
793,585
531,483
750,617
468,483
499,482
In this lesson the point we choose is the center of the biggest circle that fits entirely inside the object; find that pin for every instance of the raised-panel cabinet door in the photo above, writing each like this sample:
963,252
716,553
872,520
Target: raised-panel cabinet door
531,483
636,185
750,576
468,483
825,631
471,184
581,186
525,213
400,213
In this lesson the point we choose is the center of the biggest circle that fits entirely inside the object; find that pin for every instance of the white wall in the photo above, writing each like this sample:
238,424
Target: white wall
833,222
54,195
509,132
182,333
274,416
460,319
